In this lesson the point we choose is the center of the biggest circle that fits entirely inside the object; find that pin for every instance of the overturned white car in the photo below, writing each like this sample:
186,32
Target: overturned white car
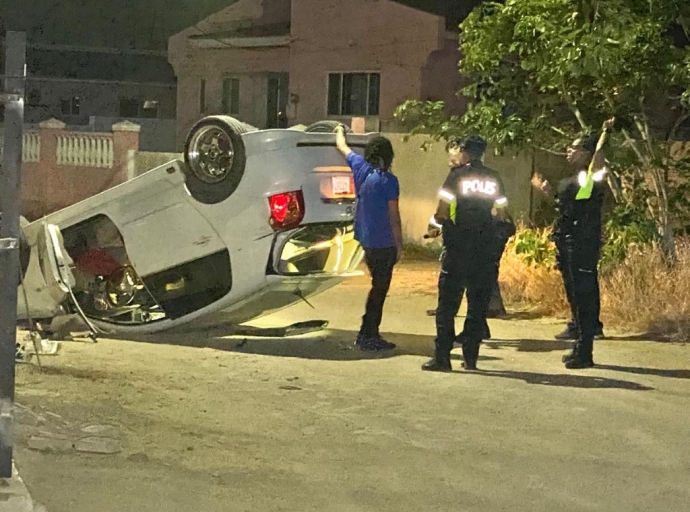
252,221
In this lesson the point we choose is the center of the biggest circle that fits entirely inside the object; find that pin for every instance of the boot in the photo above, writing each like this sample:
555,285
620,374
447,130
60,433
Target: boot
582,357
570,332
470,354
571,355
438,364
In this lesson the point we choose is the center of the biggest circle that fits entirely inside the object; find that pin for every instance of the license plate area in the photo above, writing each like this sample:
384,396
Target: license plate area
338,187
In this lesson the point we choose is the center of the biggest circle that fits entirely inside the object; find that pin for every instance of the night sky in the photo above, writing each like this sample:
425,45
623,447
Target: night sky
139,24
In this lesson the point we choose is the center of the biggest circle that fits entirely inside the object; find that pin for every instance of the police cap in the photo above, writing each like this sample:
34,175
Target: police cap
474,145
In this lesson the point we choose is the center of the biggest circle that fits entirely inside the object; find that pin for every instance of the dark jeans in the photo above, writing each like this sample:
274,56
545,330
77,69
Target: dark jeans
380,263
589,257
461,270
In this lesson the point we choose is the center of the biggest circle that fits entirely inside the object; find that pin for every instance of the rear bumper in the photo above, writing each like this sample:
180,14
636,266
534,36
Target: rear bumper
319,251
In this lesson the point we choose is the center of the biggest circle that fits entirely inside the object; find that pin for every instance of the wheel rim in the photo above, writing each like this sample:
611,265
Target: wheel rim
211,154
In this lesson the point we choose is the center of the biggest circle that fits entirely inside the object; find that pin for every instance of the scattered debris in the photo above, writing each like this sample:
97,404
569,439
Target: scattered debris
50,444
291,388
101,431
103,445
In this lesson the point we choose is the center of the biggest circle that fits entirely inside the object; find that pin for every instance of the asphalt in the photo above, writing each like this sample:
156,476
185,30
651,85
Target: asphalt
217,423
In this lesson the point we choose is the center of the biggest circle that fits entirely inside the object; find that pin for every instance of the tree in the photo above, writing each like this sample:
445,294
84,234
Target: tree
542,72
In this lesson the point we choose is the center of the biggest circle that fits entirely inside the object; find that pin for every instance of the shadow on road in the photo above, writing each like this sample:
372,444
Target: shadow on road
658,372
566,380
338,345
529,345
330,344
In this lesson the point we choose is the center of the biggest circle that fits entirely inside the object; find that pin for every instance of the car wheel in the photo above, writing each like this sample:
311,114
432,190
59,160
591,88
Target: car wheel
215,158
325,127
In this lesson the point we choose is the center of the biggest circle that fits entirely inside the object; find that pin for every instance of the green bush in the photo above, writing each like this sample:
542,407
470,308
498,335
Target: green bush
625,228
535,247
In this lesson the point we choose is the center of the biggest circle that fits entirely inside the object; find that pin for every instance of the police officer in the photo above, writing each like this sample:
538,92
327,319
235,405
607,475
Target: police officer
470,196
505,228
578,241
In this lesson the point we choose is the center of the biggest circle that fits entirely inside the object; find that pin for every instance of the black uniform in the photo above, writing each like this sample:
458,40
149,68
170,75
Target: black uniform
469,258
578,240
504,230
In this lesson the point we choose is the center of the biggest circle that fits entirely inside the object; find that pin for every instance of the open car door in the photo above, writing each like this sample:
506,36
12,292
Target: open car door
49,279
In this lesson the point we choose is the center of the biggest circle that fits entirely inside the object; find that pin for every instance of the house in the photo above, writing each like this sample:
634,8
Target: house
271,63
75,83
92,88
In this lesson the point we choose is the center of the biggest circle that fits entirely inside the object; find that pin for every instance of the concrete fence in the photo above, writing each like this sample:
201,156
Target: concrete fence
85,150
61,167
31,147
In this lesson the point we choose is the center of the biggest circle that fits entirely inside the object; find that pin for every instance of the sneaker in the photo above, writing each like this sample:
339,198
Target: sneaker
569,356
569,333
577,363
387,345
373,344
470,354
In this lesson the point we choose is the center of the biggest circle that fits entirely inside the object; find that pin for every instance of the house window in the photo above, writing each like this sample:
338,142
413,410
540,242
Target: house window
149,109
71,107
34,97
353,94
129,107
134,107
202,96
231,96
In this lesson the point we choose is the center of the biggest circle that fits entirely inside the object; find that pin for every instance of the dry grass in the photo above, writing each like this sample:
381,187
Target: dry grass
643,293
537,286
640,295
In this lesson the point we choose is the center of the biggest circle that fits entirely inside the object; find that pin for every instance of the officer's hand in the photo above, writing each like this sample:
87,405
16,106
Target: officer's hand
432,232
540,183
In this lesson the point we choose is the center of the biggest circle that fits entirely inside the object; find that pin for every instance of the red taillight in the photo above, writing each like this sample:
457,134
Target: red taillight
287,209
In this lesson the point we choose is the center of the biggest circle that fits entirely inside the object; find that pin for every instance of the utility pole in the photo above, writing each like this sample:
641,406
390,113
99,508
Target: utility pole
10,193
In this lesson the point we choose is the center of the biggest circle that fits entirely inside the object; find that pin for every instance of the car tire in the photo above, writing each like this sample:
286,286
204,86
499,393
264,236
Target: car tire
215,158
326,127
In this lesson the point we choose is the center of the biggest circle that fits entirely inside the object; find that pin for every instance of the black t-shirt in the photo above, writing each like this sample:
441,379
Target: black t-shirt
476,190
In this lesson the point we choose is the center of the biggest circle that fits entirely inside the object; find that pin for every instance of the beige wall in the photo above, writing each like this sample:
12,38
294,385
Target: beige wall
145,160
383,36
421,174
217,66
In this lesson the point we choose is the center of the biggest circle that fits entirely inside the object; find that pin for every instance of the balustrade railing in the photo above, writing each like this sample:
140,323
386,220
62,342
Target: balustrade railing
85,150
31,147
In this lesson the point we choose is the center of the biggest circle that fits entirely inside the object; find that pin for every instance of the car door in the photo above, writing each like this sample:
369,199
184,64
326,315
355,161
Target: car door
45,290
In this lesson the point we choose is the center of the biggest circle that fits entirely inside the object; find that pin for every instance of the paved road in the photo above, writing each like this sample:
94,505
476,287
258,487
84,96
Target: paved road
214,423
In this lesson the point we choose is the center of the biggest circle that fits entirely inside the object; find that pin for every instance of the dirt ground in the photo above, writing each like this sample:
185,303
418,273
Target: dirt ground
216,423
